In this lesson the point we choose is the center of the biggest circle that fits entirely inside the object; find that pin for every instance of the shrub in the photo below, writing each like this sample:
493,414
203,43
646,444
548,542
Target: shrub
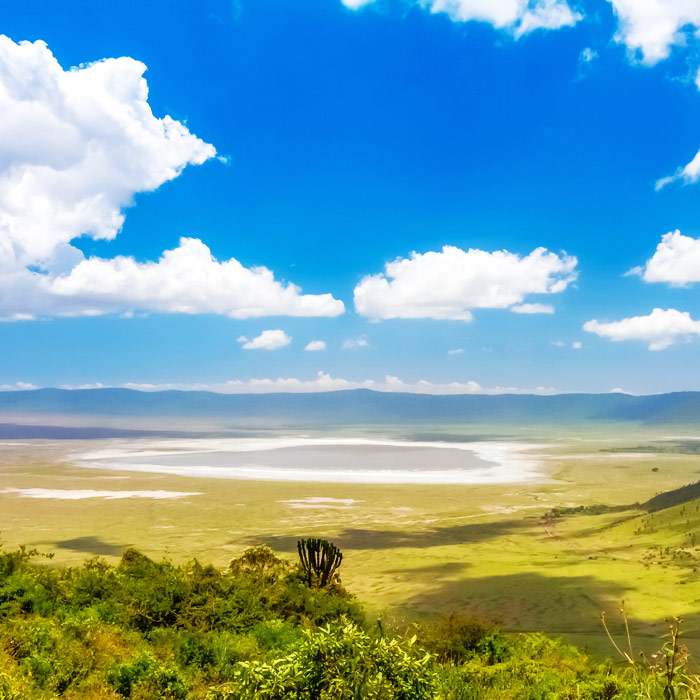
337,663
458,636
149,678
259,560
145,630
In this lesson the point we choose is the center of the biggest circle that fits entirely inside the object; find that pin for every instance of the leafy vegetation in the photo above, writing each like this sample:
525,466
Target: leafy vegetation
145,629
675,497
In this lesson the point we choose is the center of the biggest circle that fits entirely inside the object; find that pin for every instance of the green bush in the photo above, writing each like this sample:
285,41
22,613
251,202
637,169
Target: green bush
150,630
146,677
457,637
337,663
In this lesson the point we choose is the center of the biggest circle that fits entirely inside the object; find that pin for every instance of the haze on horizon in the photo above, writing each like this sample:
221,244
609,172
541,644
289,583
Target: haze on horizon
405,196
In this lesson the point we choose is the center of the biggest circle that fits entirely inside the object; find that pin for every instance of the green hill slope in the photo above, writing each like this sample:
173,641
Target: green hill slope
257,631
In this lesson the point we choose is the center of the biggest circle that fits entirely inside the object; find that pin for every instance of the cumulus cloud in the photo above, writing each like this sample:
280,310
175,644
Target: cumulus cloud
326,382
676,261
77,146
650,28
316,346
187,279
448,284
661,328
516,16
456,351
267,340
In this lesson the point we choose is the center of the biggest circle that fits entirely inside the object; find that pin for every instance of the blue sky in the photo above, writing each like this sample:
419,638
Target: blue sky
323,142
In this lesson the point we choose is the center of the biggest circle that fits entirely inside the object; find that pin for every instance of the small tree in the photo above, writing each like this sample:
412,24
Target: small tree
320,559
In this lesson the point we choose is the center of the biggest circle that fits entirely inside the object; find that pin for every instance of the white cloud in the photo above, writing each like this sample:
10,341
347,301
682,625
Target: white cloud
326,382
533,309
267,340
574,345
448,284
187,279
316,346
76,146
89,385
588,55
456,351
676,261
353,343
688,174
516,16
652,27
17,386
661,328
356,4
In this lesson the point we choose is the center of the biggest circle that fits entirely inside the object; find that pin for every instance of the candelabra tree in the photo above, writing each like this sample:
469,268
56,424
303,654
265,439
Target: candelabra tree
320,560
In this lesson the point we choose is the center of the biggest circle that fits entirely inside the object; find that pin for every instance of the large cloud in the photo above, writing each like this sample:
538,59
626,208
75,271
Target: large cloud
661,328
652,27
676,261
516,16
76,146
449,283
185,280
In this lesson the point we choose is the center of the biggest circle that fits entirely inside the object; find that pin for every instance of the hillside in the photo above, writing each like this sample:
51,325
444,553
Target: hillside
361,406
260,630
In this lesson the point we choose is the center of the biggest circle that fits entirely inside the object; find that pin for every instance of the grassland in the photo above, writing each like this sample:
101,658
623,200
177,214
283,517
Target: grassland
412,550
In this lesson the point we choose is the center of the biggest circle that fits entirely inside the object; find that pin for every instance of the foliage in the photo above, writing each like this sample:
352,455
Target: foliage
147,675
675,497
149,629
458,637
667,668
340,662
536,668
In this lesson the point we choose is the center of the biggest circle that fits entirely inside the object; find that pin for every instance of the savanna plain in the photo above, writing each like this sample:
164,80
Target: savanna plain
547,552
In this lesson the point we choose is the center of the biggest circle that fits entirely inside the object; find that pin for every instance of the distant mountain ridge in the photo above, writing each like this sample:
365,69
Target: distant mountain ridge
360,406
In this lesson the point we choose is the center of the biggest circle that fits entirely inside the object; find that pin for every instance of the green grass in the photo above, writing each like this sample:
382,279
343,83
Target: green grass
410,552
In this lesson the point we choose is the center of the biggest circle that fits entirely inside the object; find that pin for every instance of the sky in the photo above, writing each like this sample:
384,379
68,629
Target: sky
438,196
